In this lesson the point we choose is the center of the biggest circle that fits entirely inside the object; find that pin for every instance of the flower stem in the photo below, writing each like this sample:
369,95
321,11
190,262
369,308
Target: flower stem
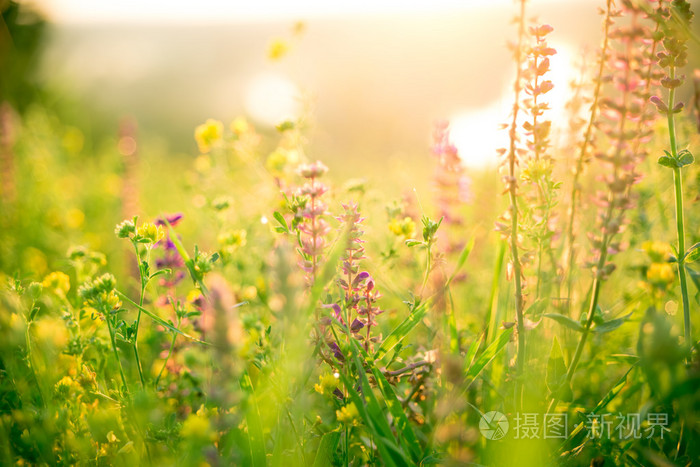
116,353
678,183
512,193
587,140
165,363
144,281
30,360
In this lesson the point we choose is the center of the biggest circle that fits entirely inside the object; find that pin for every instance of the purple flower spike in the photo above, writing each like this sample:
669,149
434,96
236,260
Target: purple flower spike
336,351
173,219
356,325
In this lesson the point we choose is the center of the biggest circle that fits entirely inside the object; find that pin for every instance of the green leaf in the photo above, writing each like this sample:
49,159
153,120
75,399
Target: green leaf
565,321
693,253
160,320
254,423
189,263
685,158
326,449
630,359
611,325
400,332
536,308
667,161
408,440
373,416
556,374
695,277
283,227
461,260
159,273
487,356
412,243
471,352
619,386
408,437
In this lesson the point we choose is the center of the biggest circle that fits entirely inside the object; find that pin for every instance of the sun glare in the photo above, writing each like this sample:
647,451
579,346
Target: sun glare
476,131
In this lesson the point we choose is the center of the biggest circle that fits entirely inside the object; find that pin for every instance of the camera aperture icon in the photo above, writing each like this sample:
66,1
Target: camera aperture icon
493,425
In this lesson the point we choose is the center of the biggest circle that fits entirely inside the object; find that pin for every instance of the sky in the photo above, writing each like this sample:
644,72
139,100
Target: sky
364,61
203,11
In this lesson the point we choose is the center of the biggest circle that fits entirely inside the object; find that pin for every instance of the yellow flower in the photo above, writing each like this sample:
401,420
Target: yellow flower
657,251
67,388
660,274
348,414
57,282
51,332
277,49
403,228
276,161
326,385
208,134
152,232
232,238
197,429
240,126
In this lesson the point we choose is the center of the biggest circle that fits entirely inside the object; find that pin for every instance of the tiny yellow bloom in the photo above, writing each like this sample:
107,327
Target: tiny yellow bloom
277,49
405,228
57,282
240,126
348,414
660,274
208,134
277,161
327,384
152,232
657,251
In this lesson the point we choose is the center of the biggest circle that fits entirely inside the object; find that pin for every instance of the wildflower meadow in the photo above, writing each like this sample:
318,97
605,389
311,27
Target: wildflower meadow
259,307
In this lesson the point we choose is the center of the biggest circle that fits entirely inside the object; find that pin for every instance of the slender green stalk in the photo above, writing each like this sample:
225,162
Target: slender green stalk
573,201
513,196
165,363
30,360
116,353
680,228
427,269
597,282
144,281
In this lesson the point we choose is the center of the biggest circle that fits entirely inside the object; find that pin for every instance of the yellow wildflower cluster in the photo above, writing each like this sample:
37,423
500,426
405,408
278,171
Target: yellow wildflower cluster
197,429
404,228
277,49
208,134
57,282
326,384
660,273
151,232
348,415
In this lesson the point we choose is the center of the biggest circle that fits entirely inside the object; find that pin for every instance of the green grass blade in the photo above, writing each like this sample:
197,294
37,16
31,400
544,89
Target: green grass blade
160,320
611,394
488,355
461,260
255,430
409,440
402,330
189,262
372,414
326,449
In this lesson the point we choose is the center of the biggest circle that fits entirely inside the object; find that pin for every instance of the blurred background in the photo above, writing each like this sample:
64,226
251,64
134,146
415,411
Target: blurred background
376,75
101,99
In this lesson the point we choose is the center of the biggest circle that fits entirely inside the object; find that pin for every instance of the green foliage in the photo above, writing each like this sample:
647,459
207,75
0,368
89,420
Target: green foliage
310,339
